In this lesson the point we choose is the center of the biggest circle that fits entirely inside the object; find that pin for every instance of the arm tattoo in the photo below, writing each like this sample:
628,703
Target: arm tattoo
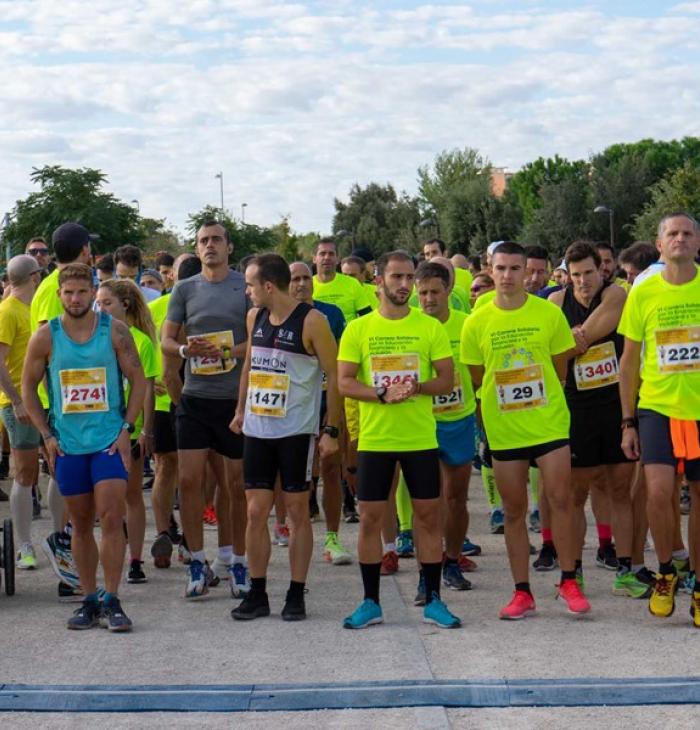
127,346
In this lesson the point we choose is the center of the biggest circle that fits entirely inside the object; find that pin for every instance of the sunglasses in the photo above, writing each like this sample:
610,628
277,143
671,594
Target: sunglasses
38,251
477,289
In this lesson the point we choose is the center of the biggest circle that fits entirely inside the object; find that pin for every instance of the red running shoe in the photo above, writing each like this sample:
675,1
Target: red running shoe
209,516
571,592
390,563
466,565
522,604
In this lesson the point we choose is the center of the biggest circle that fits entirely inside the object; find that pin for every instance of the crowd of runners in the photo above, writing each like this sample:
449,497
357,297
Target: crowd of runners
378,384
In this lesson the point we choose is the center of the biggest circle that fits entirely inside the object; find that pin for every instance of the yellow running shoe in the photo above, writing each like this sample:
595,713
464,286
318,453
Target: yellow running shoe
695,609
662,600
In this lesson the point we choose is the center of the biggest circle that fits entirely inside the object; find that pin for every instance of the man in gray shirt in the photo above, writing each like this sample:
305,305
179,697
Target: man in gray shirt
206,327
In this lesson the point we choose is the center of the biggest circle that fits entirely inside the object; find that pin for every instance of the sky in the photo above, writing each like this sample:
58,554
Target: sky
296,101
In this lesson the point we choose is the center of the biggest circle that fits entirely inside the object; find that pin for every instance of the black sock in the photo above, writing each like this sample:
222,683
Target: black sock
667,568
696,587
523,587
568,575
450,561
548,544
625,564
296,590
258,585
370,579
431,573
578,565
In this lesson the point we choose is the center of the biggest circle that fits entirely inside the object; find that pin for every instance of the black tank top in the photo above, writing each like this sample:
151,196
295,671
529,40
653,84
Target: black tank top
287,336
577,314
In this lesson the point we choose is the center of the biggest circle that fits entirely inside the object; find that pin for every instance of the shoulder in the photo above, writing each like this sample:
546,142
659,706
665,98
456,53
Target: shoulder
184,287
458,317
557,297
120,330
41,339
613,293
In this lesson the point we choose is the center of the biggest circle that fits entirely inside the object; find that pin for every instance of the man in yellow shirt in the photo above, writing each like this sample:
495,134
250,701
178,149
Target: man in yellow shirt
24,274
661,326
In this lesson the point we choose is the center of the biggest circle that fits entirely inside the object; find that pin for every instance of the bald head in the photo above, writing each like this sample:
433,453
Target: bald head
20,268
301,285
459,261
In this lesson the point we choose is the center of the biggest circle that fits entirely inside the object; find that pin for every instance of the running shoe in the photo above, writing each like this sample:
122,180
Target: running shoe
682,566
607,558
350,515
69,594
521,604
646,576
281,534
628,584
294,609
497,522
390,563
254,605
196,581
404,544
220,567
695,610
174,531
547,559
209,517
662,601
534,521
685,499
334,552
437,614
113,616
57,548
162,550
369,612
470,548
26,558
136,574
85,617
576,602
419,599
580,579
3,496
184,556
240,580
688,584
466,565
452,578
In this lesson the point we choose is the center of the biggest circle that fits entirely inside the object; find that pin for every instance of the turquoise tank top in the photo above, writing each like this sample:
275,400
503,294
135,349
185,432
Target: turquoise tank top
86,399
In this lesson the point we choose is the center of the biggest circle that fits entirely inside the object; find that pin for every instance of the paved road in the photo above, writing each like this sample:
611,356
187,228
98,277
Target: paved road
179,642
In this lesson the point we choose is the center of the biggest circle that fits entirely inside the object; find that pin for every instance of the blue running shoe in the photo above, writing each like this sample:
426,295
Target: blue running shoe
404,544
470,548
240,580
688,583
497,522
534,519
367,613
437,613
452,578
196,580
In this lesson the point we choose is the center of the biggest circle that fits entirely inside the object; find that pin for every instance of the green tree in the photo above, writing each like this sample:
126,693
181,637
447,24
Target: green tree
73,195
285,240
158,237
680,191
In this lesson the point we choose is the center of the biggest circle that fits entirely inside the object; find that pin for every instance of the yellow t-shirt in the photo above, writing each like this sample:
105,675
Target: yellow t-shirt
623,283
484,299
463,279
15,332
147,354
372,296
46,305
460,403
159,309
522,400
389,351
345,292
666,318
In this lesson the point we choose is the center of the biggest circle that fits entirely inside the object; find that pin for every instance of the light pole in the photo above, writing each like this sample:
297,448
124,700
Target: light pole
136,203
431,222
611,213
220,176
243,207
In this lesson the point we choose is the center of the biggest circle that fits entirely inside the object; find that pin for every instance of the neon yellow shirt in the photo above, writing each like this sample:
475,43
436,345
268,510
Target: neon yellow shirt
460,403
345,292
485,298
159,309
666,318
623,283
522,400
372,296
14,332
147,354
45,305
463,279
389,351
462,296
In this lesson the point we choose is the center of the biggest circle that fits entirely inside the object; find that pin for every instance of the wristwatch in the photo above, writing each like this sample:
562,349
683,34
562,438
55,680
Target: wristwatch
381,392
181,351
126,426
332,431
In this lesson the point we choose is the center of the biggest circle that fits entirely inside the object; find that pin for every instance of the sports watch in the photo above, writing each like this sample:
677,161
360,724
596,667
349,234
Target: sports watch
332,431
126,426
381,393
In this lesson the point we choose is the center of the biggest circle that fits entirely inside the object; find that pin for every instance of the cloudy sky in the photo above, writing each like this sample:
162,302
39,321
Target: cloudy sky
296,101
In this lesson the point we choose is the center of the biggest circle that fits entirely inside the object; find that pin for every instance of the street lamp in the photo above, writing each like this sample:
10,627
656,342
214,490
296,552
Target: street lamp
243,207
220,177
431,223
611,214
136,203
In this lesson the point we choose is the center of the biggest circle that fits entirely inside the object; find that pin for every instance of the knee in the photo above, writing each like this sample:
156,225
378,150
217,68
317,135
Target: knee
112,520
514,510
298,514
427,520
82,524
257,513
370,519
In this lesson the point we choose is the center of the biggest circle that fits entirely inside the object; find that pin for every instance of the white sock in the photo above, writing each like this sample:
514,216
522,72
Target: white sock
21,509
390,547
680,554
239,559
225,553
199,555
56,505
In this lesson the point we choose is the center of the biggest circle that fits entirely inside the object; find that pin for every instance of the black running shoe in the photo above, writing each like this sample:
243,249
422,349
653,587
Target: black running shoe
162,550
646,576
3,496
547,559
254,605
85,617
113,616
294,609
174,531
136,574
69,594
607,558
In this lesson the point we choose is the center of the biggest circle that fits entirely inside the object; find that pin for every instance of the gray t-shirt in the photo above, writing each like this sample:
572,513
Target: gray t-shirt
217,309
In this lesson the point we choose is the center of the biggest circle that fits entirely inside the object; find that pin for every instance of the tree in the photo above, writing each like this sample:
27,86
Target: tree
285,240
680,191
73,195
158,237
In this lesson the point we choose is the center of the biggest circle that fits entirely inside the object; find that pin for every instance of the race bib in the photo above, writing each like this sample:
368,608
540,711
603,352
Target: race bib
520,389
452,402
394,369
84,391
597,367
678,350
268,394
205,365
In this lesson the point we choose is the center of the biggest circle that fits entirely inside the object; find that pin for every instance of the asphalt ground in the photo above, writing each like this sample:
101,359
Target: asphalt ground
177,642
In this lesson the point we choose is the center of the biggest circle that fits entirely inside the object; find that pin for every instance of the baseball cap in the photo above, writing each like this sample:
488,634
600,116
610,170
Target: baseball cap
71,233
363,253
493,246
562,265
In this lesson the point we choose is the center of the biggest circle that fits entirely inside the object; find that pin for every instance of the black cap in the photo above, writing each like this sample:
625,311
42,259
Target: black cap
71,233
363,253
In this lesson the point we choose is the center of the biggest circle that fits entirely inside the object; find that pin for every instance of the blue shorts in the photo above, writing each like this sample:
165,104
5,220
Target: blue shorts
456,441
79,473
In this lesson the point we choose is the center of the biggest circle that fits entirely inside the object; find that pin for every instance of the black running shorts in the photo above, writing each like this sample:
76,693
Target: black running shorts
656,444
291,456
375,473
203,423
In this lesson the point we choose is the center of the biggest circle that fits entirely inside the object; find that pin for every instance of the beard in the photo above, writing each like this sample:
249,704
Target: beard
395,298
78,314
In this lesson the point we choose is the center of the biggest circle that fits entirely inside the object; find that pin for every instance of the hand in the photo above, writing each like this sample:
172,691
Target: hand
52,449
237,424
327,446
580,339
399,392
146,442
159,389
21,413
201,347
630,443
123,446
